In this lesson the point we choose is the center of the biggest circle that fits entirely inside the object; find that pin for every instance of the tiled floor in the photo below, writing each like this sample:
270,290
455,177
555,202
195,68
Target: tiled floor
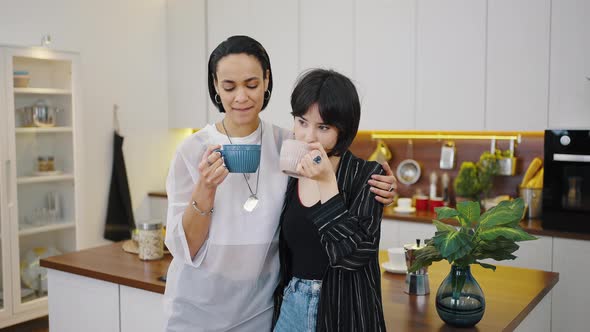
36,325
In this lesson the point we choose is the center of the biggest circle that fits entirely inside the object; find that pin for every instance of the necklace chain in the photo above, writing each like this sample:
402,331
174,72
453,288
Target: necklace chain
259,165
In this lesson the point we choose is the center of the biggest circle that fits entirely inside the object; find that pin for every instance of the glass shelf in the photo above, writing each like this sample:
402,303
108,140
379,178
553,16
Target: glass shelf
55,226
44,179
43,130
41,91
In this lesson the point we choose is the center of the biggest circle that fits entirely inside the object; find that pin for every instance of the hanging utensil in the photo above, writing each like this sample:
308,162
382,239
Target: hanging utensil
381,153
447,155
408,171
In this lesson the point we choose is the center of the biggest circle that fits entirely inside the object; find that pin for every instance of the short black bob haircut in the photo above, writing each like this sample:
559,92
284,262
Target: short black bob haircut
237,45
337,100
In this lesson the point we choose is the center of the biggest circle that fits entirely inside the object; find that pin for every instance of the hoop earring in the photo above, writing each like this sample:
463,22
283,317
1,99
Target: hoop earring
217,98
267,96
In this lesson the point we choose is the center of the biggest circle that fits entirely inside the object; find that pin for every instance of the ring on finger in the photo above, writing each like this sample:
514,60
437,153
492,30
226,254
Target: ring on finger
317,160
391,188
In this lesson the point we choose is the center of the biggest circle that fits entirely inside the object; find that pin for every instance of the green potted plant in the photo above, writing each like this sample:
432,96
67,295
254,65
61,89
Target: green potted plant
487,168
493,234
467,182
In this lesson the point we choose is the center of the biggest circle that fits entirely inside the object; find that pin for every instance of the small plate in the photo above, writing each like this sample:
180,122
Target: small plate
393,269
404,210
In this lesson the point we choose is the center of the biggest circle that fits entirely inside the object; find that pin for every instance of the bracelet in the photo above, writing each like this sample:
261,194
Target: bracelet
196,208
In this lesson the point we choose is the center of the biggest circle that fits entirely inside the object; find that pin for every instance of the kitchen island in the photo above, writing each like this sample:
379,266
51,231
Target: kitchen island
107,289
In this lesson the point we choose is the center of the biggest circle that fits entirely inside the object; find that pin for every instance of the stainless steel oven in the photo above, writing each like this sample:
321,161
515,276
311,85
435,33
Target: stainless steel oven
566,182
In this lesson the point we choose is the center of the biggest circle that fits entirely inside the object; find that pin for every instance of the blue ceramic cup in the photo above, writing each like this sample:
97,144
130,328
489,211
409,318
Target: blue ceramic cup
241,158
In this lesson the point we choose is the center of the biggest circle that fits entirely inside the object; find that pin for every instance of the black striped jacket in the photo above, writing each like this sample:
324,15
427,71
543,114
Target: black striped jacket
349,225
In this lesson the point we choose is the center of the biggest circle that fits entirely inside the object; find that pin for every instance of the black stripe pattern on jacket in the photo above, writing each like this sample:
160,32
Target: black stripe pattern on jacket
349,225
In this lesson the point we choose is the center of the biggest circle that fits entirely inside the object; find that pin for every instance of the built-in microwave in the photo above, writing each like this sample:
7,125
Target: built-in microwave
566,181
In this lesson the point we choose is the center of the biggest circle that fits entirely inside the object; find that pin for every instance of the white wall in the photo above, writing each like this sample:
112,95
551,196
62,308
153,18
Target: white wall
122,45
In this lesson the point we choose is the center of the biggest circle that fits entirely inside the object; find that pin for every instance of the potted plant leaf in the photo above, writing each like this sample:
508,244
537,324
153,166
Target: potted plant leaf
493,234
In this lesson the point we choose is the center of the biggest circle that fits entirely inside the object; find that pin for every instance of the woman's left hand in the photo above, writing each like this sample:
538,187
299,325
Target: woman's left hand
316,165
384,186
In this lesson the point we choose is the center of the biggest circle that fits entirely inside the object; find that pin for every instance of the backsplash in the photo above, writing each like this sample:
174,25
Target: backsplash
427,153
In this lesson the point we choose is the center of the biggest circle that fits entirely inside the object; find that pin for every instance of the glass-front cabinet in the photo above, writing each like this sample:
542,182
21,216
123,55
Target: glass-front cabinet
39,199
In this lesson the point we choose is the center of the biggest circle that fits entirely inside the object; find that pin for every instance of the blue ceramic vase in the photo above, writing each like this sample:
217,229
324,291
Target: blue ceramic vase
459,300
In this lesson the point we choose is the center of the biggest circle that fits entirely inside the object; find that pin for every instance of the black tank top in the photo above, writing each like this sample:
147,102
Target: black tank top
307,255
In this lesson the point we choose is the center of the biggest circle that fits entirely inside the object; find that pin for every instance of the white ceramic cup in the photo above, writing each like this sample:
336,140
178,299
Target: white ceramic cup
404,203
291,153
397,258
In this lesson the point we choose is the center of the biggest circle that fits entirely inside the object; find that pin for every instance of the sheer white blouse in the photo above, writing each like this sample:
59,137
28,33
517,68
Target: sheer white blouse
228,285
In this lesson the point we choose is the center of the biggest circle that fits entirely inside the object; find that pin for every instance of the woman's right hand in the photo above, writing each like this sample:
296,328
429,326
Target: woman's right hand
211,168
196,225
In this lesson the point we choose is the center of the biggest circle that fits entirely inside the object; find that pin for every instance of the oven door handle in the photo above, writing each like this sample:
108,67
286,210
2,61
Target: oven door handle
579,158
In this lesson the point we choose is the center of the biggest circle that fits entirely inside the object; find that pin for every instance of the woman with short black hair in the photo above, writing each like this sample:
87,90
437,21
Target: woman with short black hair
331,222
338,101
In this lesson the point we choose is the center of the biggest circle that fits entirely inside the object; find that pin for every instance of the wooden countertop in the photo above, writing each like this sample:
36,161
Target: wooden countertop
532,226
511,293
110,263
158,194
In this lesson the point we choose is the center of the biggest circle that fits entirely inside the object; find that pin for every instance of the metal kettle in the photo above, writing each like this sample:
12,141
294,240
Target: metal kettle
39,115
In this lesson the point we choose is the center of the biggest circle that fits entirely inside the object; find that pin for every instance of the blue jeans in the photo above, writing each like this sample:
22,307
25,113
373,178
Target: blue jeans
299,309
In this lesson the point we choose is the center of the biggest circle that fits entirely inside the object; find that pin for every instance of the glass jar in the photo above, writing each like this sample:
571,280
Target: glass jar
50,164
150,240
41,164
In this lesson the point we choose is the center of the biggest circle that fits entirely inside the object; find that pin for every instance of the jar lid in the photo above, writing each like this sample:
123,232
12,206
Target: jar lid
149,225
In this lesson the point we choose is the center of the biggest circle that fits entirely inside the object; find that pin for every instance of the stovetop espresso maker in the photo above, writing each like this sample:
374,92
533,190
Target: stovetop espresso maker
417,281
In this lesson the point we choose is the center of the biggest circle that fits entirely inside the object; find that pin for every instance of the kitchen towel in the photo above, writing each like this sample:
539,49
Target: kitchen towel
119,220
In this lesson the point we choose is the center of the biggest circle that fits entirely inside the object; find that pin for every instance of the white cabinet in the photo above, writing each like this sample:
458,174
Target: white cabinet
409,232
570,295
82,302
140,310
384,63
187,64
539,319
275,25
517,80
426,64
389,234
395,233
569,99
39,200
327,35
536,254
450,64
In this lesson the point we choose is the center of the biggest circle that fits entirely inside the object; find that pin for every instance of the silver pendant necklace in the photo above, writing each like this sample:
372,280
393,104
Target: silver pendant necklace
252,201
